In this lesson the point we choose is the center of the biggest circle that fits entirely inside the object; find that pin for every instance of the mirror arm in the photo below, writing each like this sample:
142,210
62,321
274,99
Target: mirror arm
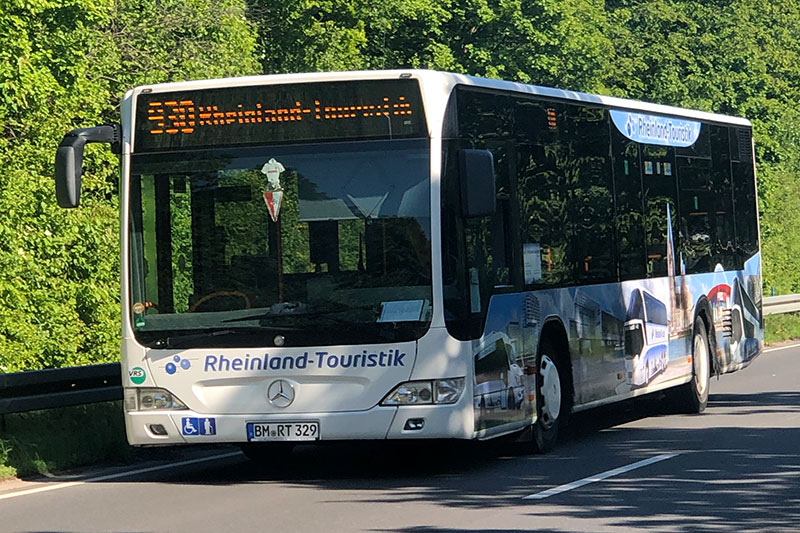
69,159
107,133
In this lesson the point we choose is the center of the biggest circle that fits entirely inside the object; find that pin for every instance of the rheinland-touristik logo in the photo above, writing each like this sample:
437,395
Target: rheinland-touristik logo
652,129
315,360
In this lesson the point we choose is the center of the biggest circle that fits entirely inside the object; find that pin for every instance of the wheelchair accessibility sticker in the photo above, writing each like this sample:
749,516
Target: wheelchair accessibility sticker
198,426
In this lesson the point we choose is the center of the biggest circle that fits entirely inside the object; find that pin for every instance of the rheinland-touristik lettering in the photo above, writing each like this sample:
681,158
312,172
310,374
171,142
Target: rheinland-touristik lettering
652,129
316,360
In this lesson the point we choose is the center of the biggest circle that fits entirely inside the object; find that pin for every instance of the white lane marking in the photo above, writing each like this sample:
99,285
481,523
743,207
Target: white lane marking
117,475
782,348
599,477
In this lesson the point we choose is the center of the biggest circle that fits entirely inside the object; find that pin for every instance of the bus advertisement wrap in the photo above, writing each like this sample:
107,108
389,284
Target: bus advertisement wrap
628,337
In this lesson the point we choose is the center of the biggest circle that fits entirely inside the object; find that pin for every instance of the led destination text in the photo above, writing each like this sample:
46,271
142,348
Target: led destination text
183,116
219,117
316,360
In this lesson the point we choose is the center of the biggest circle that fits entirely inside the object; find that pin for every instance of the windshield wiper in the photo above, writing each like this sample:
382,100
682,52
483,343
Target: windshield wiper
304,314
181,339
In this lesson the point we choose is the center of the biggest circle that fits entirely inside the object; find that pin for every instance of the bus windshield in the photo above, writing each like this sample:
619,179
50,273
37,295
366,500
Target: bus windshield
295,245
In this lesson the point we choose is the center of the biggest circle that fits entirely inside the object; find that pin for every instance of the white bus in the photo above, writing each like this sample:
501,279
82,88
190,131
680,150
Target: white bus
319,257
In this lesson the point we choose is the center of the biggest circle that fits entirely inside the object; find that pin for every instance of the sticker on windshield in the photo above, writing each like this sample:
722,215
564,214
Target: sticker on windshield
273,201
272,169
401,311
273,194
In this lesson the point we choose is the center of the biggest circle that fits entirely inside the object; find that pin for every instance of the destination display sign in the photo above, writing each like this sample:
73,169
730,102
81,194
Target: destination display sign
242,116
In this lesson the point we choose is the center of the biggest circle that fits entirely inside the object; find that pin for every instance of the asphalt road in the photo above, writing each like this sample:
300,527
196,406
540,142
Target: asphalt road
736,467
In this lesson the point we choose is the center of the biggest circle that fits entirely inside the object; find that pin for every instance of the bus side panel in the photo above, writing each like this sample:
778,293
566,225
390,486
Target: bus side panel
597,320
500,356
625,338
505,356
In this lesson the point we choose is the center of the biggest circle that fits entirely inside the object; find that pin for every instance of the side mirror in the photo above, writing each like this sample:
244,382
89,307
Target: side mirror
69,160
476,168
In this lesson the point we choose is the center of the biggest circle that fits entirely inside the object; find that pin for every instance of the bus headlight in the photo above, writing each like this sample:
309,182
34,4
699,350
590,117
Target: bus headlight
439,391
448,390
151,400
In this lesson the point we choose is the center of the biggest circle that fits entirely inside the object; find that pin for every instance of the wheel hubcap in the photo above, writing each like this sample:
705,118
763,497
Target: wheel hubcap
550,392
701,366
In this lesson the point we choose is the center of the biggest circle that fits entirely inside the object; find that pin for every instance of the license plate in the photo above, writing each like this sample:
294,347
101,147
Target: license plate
282,431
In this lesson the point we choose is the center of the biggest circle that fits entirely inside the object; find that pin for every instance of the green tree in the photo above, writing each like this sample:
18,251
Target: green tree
734,57
65,64
542,41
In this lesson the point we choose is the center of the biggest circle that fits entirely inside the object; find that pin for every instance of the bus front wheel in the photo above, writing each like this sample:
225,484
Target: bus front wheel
552,396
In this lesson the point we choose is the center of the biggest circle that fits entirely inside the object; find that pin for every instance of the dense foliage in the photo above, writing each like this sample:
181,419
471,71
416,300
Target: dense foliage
66,63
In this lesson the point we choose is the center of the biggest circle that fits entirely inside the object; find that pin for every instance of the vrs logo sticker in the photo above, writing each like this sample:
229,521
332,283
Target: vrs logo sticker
137,375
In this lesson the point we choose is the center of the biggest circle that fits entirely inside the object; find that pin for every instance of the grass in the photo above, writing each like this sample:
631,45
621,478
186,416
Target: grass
5,471
781,327
41,442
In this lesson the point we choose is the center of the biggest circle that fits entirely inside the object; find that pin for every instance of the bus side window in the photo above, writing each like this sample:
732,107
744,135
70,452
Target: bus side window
489,256
660,190
543,214
542,186
486,121
696,215
630,214
744,194
722,188
591,195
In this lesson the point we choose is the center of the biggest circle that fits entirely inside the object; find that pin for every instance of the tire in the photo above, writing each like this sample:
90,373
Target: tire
692,397
267,453
553,396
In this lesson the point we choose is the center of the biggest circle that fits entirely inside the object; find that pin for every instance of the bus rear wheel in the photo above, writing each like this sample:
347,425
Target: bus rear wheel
692,397
552,397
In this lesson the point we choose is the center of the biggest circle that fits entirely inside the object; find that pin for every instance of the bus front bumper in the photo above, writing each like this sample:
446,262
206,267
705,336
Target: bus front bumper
408,422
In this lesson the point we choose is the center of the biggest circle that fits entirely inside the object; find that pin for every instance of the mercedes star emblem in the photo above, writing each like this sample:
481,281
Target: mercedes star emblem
280,393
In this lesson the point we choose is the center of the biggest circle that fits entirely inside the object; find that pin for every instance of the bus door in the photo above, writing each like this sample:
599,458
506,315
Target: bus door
495,285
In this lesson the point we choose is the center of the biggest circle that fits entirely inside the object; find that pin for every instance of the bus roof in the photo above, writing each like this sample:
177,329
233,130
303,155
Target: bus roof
448,80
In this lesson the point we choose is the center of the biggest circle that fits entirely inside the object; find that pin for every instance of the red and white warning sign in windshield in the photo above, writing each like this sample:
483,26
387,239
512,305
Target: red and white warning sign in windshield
273,201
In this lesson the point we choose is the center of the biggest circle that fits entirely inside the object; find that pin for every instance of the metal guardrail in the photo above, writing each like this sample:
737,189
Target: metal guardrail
788,303
59,387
